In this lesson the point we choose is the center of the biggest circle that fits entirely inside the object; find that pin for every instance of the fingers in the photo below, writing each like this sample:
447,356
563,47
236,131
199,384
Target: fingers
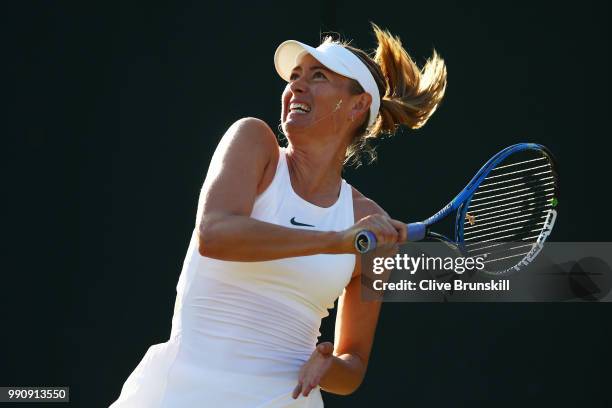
297,390
401,228
310,385
387,230
311,373
325,348
304,388
307,389
384,231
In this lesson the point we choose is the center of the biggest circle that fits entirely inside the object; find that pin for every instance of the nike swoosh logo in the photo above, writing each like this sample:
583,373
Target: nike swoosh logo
294,222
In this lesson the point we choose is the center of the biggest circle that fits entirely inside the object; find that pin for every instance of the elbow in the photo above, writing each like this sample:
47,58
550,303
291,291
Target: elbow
347,386
202,245
342,390
342,393
215,237
350,389
351,379
206,239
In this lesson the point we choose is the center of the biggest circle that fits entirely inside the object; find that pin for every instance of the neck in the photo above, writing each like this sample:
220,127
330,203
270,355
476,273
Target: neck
316,172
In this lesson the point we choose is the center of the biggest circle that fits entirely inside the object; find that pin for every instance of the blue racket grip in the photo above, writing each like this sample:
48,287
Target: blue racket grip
365,241
416,231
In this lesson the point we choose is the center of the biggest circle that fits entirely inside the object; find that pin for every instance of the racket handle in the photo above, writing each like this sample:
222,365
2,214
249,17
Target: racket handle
416,231
365,241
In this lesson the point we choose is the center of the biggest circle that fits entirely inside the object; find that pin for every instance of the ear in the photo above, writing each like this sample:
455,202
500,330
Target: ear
361,104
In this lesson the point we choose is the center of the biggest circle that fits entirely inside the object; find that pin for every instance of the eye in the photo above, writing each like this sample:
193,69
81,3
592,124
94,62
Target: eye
293,76
319,74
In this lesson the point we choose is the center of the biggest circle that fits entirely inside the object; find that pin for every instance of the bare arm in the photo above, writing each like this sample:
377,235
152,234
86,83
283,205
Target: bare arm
225,228
341,370
355,326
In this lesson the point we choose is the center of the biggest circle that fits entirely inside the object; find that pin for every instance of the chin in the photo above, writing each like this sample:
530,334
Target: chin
295,126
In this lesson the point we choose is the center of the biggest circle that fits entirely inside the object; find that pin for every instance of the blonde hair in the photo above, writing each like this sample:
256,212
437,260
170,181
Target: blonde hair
409,95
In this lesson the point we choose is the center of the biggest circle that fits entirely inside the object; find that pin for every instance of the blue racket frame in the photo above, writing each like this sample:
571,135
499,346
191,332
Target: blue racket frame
366,241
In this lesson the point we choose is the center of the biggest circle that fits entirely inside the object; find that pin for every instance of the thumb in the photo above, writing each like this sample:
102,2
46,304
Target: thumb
325,348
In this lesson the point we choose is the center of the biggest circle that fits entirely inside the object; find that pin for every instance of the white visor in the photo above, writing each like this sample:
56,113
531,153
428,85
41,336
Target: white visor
337,59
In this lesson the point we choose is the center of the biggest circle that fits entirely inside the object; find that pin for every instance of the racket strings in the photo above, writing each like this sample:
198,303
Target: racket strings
504,252
503,208
527,192
541,183
516,222
505,166
509,210
495,176
486,249
537,181
522,225
482,186
506,212
517,234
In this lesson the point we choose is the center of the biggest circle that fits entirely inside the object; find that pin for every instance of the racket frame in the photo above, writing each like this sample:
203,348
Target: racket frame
365,240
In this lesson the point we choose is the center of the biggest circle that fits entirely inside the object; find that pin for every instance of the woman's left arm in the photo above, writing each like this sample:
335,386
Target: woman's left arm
355,327
341,370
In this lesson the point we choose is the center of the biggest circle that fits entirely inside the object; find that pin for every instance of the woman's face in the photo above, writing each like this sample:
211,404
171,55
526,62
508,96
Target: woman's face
315,98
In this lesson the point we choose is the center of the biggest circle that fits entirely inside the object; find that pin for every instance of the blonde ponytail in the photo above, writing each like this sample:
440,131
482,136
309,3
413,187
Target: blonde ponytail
410,95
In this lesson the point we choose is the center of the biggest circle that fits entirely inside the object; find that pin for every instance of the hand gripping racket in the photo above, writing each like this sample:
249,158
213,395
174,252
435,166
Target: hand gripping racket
505,213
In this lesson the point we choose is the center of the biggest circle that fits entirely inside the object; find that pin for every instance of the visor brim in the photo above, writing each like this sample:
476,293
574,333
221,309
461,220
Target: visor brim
288,53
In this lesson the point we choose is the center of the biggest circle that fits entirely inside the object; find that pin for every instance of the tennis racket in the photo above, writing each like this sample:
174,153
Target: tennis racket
504,214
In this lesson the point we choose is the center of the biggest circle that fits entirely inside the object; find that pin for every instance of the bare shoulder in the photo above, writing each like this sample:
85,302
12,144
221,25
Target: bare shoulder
364,206
253,131
248,139
252,123
250,146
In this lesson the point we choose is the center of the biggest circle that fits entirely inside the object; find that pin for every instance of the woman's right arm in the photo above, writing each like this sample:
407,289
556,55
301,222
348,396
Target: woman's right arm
226,230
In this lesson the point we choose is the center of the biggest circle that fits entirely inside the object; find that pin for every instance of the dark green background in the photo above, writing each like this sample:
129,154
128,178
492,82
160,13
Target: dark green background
112,113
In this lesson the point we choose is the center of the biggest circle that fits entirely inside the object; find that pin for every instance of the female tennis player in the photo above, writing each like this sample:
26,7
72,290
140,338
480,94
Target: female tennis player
273,246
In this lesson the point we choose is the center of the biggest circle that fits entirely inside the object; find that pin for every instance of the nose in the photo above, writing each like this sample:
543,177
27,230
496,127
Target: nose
297,86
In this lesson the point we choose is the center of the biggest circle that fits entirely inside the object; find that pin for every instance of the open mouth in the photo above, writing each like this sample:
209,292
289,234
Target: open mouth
299,108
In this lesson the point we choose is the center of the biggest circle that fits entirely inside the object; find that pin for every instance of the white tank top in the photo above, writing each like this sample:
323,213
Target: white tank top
241,331
263,318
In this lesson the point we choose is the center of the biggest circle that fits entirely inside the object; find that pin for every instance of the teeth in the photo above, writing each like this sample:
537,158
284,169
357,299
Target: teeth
300,107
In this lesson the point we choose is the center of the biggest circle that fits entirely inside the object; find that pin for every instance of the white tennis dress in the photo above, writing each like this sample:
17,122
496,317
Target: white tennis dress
241,331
